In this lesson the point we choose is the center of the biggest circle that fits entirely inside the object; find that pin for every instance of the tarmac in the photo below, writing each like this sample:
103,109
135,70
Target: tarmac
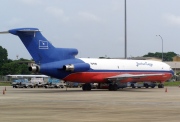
75,105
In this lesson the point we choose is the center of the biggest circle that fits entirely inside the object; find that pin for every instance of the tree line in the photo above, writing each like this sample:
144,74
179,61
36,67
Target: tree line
166,56
8,66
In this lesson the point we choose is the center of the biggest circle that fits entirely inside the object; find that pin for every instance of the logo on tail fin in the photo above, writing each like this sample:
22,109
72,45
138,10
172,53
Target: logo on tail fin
43,44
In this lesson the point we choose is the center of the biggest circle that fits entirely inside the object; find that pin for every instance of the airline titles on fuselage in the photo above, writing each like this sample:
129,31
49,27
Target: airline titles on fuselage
145,63
93,63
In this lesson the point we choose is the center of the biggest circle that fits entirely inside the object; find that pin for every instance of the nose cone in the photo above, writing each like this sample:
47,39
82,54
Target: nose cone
172,72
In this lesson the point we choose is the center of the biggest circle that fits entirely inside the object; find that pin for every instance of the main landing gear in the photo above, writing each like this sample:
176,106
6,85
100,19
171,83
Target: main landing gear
160,85
86,87
113,87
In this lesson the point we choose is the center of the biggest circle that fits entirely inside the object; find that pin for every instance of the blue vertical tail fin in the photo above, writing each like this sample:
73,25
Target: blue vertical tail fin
41,50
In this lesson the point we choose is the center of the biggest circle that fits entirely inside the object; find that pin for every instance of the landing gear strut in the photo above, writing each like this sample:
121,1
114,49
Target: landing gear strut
86,87
160,85
113,87
146,85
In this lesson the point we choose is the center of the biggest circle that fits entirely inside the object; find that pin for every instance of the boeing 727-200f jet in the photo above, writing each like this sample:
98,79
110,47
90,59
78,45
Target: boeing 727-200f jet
62,64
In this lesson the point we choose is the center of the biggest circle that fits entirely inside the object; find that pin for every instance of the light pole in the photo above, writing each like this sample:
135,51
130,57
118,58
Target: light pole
162,45
125,37
175,68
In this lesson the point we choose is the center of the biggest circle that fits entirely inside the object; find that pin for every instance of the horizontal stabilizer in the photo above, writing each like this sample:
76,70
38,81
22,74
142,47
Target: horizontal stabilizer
19,30
4,32
28,30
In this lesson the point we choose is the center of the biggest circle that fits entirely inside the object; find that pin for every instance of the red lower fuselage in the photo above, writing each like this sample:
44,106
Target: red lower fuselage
100,77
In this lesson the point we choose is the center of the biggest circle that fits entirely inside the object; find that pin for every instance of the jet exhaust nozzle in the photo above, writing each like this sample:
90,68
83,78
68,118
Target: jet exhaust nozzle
69,67
79,67
34,68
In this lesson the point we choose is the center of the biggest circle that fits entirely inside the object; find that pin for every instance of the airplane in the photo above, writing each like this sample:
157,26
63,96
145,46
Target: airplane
61,63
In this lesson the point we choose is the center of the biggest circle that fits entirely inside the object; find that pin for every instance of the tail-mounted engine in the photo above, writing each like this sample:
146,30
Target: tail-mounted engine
79,67
35,68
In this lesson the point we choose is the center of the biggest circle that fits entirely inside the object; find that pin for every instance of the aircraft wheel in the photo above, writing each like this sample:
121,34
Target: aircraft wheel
115,87
86,87
160,85
146,85
110,87
89,87
133,86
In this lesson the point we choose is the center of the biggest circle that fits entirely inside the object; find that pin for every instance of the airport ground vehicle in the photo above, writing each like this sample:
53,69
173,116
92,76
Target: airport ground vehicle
37,81
23,85
28,85
54,85
59,85
73,84
142,84
49,86
18,83
25,81
40,85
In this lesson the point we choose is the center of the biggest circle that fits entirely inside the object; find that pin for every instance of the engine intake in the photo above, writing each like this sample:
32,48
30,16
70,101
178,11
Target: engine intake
79,67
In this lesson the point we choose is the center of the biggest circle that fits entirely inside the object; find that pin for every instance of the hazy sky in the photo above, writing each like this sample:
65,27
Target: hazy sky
94,27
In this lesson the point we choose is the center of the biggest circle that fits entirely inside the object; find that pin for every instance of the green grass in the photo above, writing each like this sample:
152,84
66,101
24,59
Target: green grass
5,84
176,83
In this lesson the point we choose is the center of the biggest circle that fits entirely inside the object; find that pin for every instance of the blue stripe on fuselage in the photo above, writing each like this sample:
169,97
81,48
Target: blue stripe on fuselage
129,71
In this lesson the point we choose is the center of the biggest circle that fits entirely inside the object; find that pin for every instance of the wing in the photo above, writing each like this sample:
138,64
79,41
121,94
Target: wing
125,76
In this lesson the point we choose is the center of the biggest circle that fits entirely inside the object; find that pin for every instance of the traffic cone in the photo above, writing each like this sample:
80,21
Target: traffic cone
166,90
5,88
3,92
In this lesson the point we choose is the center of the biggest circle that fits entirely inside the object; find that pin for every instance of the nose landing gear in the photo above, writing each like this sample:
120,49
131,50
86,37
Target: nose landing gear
86,87
113,87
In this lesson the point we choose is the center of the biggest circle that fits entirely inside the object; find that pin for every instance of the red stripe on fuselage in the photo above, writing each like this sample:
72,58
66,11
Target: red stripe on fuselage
100,77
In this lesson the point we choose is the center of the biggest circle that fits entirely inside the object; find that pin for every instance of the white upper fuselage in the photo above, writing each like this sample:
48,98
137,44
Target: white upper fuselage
123,64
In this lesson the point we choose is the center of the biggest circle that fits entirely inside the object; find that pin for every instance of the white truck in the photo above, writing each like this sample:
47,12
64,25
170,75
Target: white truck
38,82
